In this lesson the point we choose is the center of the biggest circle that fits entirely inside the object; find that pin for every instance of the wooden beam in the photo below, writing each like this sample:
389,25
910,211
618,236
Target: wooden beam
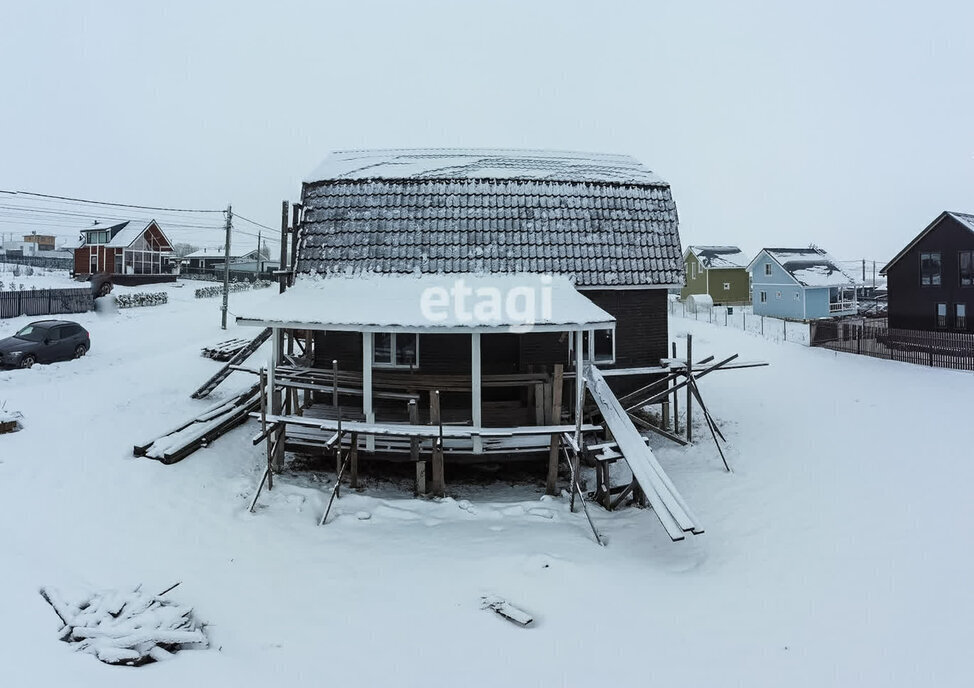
579,409
353,461
476,391
551,485
439,480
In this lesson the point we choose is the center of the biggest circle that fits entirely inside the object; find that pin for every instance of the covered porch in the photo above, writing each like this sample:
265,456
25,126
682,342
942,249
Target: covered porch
364,363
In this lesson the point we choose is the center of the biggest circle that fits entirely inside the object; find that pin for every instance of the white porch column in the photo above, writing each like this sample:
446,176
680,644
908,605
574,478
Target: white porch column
579,387
475,390
367,387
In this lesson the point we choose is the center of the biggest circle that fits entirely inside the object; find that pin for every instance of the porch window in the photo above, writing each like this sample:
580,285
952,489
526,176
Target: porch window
960,316
601,343
966,261
930,269
767,269
395,349
941,315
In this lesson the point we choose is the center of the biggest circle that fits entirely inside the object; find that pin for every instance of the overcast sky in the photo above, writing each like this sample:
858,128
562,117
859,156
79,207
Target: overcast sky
845,124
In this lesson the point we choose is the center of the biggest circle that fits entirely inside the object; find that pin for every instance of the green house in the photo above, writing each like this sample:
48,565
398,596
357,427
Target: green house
720,271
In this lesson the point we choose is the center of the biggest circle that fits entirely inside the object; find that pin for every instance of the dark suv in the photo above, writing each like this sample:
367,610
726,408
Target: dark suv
44,341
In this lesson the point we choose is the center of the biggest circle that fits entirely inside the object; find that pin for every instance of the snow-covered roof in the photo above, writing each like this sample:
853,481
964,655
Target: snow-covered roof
470,302
220,253
810,267
966,220
598,234
482,163
123,233
719,256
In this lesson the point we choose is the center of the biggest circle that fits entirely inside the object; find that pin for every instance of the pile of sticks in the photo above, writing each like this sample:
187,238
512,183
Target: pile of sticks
129,627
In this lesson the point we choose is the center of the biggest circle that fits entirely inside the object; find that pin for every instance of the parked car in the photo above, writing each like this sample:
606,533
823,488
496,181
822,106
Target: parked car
44,341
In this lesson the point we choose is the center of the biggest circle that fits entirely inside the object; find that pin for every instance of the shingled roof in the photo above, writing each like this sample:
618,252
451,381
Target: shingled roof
601,220
719,257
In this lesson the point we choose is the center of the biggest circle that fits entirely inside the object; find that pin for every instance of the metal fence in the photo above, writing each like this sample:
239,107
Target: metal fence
939,349
45,302
742,318
52,262
235,275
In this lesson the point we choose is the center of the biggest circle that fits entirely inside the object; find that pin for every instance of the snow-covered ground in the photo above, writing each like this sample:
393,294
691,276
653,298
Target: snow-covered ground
839,552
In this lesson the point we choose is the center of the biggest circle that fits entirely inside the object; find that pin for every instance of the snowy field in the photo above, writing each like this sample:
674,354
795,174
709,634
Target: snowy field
839,552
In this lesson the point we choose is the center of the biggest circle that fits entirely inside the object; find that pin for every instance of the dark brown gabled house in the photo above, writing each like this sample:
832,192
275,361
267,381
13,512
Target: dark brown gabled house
129,253
931,281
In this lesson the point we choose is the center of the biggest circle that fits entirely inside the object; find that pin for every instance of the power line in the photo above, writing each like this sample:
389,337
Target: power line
256,224
116,205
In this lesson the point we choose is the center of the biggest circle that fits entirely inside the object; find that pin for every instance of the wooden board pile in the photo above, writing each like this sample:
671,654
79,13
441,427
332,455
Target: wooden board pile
224,351
198,432
129,627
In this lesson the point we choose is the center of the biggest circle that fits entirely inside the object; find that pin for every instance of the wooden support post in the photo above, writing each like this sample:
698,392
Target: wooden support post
413,408
557,386
353,461
295,223
579,409
676,401
476,391
689,391
263,428
420,478
283,264
439,480
338,460
334,383
539,403
275,398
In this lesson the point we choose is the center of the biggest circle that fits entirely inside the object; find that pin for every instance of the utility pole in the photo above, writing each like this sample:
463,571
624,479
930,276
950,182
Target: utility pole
863,270
281,267
259,256
874,274
226,267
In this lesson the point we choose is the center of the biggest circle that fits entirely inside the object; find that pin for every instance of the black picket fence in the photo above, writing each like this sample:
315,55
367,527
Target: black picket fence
45,302
938,349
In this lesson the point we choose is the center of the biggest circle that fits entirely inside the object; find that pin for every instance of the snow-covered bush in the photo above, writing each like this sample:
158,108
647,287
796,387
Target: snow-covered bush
208,292
142,298
16,270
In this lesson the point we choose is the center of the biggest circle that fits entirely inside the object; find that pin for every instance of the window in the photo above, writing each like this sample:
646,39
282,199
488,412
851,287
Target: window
693,271
395,349
960,316
777,295
797,296
767,268
726,286
941,315
604,344
930,269
764,297
966,261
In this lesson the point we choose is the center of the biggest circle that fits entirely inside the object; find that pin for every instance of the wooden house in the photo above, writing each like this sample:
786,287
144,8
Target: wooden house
130,253
930,283
211,259
461,302
720,271
800,284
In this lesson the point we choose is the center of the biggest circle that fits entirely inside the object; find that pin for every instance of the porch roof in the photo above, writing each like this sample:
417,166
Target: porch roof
463,302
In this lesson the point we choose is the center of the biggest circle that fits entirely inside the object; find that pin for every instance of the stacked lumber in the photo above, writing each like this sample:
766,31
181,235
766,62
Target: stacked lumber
224,351
235,360
128,627
198,432
669,506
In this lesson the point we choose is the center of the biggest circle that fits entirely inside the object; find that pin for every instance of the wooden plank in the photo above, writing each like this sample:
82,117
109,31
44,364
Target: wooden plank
667,505
551,483
353,461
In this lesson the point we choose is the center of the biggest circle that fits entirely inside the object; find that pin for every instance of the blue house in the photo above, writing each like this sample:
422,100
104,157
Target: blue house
800,284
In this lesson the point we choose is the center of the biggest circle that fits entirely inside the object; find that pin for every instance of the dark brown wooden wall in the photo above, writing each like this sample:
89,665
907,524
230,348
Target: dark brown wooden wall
913,306
641,334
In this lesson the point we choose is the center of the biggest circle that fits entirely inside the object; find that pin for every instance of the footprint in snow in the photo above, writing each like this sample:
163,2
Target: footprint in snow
543,513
